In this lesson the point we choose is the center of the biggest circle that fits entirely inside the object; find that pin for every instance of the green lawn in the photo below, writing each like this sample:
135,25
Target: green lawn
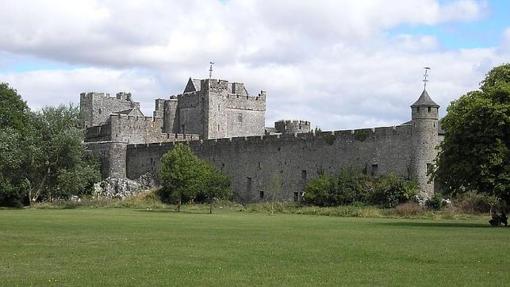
128,247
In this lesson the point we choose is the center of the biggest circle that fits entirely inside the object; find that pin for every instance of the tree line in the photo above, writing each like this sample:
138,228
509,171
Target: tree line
41,153
42,157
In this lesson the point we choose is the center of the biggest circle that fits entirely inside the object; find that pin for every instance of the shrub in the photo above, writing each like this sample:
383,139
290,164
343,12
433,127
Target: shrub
318,190
391,190
408,209
436,202
472,202
352,186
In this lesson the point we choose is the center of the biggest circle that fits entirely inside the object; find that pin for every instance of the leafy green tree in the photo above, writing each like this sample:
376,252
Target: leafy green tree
14,112
14,148
60,166
475,153
180,174
185,177
215,185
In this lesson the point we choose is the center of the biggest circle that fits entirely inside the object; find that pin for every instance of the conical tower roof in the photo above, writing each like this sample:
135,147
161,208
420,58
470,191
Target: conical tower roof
424,100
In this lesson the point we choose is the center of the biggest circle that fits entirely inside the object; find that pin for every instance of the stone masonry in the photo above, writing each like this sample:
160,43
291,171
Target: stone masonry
224,125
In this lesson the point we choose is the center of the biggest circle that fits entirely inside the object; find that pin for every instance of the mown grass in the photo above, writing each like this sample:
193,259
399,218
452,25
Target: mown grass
159,247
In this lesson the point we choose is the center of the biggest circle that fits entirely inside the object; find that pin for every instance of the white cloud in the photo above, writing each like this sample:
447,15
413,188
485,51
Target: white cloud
330,62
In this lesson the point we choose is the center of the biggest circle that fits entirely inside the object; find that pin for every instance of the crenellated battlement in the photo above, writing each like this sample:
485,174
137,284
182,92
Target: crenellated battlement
330,137
292,126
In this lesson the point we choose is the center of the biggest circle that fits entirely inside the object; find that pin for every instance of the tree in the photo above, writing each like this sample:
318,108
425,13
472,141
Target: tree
14,112
60,166
41,153
475,153
215,185
14,148
185,177
180,174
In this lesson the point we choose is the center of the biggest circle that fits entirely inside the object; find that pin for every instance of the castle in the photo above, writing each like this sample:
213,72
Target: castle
225,125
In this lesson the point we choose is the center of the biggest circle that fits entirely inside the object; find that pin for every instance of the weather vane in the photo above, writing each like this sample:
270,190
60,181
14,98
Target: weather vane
210,69
425,76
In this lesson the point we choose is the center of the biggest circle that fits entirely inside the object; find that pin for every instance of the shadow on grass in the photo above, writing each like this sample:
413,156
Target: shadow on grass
173,211
437,224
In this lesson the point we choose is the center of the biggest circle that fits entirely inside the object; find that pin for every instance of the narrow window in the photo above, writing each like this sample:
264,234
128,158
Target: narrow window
182,129
218,108
303,175
296,196
260,165
418,109
218,127
100,111
429,108
240,117
261,194
375,167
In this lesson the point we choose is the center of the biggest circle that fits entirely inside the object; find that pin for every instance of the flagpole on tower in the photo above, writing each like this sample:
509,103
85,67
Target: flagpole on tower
210,69
425,77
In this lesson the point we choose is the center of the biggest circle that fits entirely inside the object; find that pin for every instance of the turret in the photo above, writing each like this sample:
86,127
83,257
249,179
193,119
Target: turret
424,142
292,127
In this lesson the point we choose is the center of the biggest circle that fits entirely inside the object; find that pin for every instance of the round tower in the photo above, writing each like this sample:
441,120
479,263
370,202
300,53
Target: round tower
424,141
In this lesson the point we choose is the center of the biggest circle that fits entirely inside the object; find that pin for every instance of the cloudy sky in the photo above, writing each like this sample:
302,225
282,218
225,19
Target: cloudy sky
340,64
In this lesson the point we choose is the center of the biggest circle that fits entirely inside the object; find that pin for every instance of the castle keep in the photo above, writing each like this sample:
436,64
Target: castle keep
224,124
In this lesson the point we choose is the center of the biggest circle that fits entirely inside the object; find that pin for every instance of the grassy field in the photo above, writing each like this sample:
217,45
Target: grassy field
129,247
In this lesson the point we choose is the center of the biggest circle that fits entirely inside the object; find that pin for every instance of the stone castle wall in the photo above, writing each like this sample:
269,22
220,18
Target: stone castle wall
96,108
292,127
133,130
257,164
230,124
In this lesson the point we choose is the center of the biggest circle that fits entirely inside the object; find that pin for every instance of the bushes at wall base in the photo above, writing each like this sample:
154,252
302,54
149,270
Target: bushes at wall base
352,186
436,202
391,190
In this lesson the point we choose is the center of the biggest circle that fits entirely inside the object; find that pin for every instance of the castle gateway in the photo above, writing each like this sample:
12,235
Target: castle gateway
224,124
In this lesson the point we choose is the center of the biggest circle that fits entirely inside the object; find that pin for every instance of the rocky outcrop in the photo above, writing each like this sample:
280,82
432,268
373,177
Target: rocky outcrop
122,188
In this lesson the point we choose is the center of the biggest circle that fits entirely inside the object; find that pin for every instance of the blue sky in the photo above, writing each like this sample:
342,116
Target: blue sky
482,33
339,64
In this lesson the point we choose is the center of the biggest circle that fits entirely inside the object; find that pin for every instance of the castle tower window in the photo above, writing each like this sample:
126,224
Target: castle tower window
429,109
374,169
260,165
418,109
100,111
261,194
240,117
296,196
303,175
